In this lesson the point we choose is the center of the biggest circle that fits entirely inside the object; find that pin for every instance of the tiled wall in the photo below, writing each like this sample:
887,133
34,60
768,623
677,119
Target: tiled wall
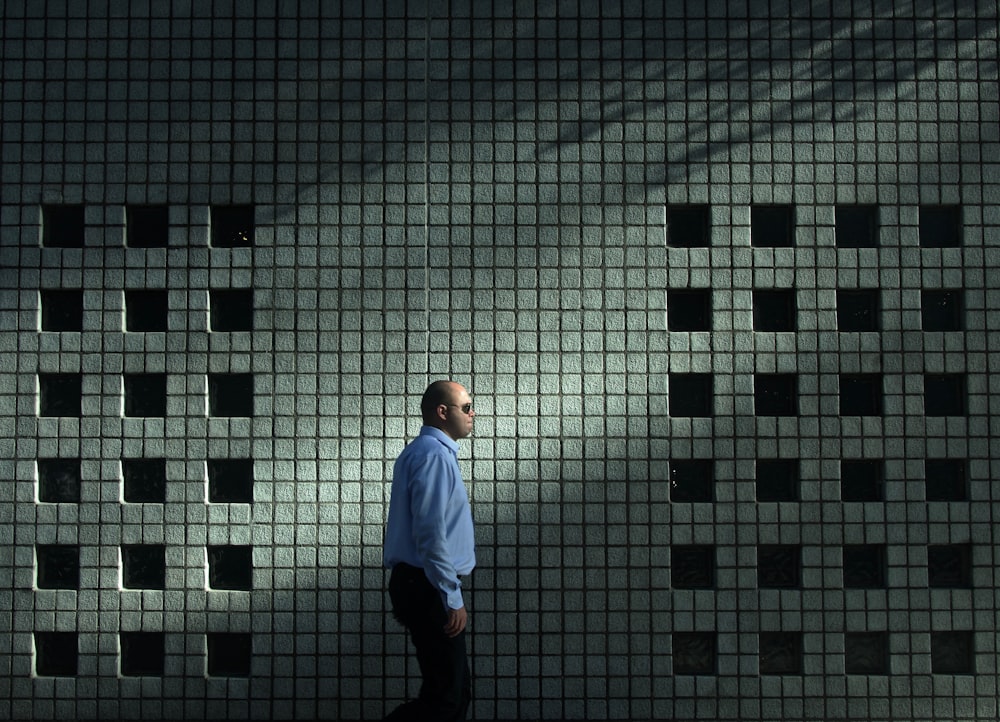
723,284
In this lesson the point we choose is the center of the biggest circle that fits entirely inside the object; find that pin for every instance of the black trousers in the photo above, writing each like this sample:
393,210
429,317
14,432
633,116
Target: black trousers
446,689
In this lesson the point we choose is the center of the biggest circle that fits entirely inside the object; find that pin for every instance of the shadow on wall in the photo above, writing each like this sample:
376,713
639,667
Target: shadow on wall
388,110
358,96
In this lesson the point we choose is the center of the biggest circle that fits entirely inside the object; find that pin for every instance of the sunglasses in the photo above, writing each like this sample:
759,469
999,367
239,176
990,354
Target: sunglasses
466,408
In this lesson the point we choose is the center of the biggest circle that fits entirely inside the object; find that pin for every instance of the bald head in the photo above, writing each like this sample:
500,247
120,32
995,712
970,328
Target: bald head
446,405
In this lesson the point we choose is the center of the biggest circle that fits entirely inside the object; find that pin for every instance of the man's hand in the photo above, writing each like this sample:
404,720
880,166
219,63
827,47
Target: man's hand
457,619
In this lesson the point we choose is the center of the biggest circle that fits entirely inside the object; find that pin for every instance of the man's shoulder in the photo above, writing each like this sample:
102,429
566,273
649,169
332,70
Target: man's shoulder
425,444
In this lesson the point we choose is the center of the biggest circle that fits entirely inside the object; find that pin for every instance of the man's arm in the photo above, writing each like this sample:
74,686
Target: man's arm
430,488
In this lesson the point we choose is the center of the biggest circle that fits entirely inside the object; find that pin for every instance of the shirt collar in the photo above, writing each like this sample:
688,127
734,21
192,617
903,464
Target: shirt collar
436,433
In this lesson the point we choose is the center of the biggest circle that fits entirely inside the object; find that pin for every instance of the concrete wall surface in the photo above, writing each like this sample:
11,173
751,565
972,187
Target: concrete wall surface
721,277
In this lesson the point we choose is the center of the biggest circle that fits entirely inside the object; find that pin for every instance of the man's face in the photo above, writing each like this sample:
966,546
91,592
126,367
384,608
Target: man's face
457,413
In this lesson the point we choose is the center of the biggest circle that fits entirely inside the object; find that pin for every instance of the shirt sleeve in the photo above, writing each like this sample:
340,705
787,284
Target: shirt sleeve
430,489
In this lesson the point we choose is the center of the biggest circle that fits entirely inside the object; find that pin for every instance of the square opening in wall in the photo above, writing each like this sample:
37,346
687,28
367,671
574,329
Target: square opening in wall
62,310
232,226
688,226
146,311
231,310
945,480
689,310
144,481
942,310
780,652
692,480
693,652
772,226
145,395
692,566
949,566
776,394
859,309
861,394
230,481
230,394
63,226
58,566
142,654
866,653
778,566
774,310
230,567
60,395
864,566
940,226
59,480
862,480
944,394
144,566
777,480
56,654
229,654
953,652
690,395
147,226
856,226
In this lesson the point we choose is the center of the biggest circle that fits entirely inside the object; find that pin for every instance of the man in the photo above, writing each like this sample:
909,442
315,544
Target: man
429,547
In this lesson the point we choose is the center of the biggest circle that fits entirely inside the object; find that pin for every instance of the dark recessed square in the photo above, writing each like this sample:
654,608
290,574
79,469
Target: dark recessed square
63,226
774,310
231,310
230,481
147,226
144,481
772,226
145,394
56,654
776,395
778,566
953,652
862,480
944,394
146,310
866,653
949,566
230,394
60,395
230,567
864,566
780,652
229,654
940,226
62,310
689,310
692,566
946,480
688,226
691,480
694,652
59,480
144,567
232,226
859,309
58,566
942,310
691,395
861,394
777,479
856,226
143,654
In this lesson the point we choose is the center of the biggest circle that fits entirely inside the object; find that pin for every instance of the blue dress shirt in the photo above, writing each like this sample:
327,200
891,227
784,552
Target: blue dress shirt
430,521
